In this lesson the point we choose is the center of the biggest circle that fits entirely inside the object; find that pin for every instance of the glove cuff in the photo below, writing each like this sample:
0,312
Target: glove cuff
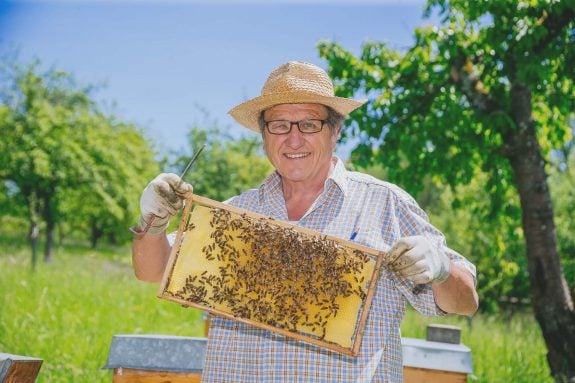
444,272
156,226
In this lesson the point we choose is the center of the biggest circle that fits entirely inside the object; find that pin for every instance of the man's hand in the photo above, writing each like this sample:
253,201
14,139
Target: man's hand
419,261
161,200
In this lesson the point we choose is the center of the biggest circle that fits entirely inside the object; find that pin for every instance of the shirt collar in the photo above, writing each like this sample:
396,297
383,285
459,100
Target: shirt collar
271,197
272,184
338,176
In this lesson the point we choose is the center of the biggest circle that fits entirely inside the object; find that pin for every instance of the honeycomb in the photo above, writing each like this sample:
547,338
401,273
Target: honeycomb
273,275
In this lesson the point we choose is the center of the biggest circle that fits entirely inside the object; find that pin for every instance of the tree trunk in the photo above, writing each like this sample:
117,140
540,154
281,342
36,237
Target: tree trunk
552,302
112,239
33,238
50,227
34,232
61,235
49,245
95,234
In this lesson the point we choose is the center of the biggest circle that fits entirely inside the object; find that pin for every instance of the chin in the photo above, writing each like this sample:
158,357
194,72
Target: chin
292,175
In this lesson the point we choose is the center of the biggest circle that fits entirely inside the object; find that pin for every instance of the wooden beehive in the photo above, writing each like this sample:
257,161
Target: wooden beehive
272,275
156,358
18,368
441,358
177,359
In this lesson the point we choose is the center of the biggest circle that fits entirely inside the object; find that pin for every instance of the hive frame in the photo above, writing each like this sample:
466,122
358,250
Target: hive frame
366,303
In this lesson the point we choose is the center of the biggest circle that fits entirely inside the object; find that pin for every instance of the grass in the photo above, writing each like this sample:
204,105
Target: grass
67,311
503,348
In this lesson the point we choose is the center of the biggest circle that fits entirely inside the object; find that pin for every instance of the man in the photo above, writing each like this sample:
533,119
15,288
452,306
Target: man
300,120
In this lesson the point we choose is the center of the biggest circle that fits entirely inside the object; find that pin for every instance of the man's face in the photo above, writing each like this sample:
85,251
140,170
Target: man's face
300,157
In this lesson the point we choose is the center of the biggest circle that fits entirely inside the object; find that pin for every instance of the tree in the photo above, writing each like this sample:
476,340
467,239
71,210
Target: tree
62,155
108,206
490,89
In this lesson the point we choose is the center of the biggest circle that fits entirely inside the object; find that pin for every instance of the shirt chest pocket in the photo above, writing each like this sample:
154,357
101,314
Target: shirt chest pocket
371,238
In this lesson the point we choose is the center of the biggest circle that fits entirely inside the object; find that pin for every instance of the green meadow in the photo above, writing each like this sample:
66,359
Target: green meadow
67,311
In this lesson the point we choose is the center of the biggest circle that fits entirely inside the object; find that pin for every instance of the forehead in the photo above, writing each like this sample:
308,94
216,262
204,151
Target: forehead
298,111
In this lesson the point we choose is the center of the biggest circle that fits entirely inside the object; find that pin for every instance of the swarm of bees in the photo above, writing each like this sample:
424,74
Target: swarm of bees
274,274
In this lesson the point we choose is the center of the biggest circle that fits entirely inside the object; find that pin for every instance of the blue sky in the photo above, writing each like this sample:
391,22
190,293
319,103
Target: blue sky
161,62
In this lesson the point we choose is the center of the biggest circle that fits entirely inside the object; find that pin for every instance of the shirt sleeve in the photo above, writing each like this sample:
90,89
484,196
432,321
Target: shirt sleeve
414,221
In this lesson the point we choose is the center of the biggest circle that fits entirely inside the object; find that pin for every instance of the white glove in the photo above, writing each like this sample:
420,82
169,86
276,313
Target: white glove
161,200
418,260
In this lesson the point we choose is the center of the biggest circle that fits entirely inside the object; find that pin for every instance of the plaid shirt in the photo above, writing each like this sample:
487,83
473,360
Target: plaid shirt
380,213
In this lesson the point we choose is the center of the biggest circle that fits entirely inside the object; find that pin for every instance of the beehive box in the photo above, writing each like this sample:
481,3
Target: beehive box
156,358
435,362
177,359
272,275
19,368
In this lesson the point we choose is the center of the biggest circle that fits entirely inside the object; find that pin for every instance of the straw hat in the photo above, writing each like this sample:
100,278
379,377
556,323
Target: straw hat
293,83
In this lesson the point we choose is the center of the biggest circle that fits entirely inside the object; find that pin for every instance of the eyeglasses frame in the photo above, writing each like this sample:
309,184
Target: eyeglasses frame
292,123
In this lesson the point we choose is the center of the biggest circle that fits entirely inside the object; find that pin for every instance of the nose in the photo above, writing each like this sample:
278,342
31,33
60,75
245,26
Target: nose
294,138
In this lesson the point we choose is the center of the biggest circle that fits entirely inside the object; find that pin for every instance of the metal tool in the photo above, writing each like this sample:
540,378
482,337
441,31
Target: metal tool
184,172
194,158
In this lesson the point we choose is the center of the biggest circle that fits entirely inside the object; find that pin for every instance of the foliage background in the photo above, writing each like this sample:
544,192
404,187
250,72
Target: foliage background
70,163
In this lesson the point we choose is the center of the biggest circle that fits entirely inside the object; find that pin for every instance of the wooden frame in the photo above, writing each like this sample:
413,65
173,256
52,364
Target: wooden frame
131,375
272,275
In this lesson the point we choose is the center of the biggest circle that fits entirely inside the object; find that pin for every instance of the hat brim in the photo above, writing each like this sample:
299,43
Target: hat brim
248,112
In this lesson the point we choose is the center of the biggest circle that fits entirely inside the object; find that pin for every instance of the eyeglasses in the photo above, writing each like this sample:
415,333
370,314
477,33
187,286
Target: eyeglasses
304,126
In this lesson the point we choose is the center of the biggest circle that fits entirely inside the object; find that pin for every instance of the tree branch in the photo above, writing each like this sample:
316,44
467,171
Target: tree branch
467,79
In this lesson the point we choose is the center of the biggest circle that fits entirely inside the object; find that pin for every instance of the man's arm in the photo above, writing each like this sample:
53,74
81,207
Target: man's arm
416,259
150,253
457,294
161,200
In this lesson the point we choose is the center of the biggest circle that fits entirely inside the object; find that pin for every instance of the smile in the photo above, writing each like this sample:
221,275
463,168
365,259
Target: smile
296,155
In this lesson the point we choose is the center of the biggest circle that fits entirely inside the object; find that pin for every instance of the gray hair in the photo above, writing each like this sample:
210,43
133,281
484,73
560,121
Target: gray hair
334,120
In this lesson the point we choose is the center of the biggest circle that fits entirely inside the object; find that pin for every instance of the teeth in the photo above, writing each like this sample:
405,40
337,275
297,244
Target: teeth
300,155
